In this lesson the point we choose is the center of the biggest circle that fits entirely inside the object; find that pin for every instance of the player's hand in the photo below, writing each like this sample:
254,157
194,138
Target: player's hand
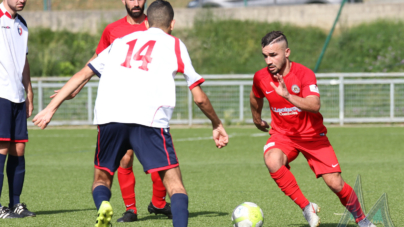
43,118
29,107
67,98
281,89
263,126
220,136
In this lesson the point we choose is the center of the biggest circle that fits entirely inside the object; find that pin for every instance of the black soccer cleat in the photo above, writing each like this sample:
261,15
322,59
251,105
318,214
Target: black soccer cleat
166,210
5,212
128,216
21,209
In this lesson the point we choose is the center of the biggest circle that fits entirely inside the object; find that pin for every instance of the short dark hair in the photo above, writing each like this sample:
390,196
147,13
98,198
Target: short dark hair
160,14
273,37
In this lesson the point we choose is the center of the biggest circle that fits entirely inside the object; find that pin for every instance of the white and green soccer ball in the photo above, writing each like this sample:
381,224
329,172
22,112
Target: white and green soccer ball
247,214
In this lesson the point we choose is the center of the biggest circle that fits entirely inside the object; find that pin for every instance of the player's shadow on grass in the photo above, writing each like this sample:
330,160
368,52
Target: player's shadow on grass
324,225
191,215
44,212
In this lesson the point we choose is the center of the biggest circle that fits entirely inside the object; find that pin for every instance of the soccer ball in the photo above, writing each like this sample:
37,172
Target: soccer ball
247,214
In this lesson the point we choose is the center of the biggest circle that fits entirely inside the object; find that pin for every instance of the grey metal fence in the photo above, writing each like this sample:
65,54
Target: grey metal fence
345,98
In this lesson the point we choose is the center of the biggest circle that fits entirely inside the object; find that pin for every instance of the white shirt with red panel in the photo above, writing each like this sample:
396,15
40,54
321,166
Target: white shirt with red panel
13,52
137,83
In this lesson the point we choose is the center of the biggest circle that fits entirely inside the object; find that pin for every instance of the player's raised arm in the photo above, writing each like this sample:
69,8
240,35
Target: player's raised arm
43,118
256,105
202,101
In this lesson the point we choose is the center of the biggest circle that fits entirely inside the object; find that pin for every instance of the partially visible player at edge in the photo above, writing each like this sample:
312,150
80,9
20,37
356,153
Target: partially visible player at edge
138,74
133,22
297,126
15,108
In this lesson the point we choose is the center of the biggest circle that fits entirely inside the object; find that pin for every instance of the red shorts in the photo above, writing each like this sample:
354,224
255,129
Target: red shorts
319,153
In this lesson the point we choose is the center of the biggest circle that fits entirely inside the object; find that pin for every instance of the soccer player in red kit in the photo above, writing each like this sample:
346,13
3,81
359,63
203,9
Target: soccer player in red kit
296,127
133,22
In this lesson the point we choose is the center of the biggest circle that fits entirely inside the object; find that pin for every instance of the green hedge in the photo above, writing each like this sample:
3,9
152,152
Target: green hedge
231,46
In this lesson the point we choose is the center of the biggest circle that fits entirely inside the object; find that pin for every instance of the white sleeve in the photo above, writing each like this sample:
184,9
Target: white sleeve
98,64
193,78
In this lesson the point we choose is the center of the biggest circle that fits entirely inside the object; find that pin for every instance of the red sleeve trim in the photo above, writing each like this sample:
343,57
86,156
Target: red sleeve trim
105,169
162,168
199,82
178,54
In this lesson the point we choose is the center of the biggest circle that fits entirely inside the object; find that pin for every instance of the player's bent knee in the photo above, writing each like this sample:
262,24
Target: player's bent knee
275,159
334,181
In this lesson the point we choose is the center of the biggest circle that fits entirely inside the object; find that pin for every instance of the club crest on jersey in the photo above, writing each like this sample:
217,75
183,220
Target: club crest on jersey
19,29
295,88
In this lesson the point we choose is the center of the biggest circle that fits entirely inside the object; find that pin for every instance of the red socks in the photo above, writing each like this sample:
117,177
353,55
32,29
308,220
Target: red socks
127,184
287,183
159,191
349,199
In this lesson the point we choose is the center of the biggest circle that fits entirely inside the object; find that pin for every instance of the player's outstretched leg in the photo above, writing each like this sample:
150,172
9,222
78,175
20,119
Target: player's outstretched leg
347,197
158,205
179,199
275,161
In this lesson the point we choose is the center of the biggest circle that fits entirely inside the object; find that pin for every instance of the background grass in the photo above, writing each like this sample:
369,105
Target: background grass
60,171
234,47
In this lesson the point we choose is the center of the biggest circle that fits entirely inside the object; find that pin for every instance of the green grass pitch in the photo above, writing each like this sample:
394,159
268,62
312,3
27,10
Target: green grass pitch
59,174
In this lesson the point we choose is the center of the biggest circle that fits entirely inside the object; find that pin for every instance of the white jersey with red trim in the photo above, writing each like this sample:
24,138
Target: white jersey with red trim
13,52
137,78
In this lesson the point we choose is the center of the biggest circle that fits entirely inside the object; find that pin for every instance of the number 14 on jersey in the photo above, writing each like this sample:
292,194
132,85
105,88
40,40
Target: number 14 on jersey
146,59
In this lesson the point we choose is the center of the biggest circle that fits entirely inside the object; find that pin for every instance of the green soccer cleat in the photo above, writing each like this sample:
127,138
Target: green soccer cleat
104,215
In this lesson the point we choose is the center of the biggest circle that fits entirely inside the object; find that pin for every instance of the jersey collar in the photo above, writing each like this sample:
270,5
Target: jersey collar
4,11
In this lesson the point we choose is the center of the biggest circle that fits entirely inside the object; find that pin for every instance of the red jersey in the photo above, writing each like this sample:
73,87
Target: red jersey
287,119
118,29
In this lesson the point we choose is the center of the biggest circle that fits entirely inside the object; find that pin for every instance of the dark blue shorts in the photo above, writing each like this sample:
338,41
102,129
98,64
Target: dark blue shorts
153,147
13,121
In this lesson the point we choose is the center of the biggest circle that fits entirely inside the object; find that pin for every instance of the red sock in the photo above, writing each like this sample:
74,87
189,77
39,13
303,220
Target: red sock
159,191
287,183
127,184
349,199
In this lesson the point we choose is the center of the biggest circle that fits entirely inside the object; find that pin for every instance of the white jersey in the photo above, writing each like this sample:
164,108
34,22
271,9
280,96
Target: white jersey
13,52
137,78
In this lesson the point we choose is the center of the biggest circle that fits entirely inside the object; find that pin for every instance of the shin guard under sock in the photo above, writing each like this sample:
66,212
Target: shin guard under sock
15,175
101,193
127,183
159,191
179,209
348,198
2,162
287,183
